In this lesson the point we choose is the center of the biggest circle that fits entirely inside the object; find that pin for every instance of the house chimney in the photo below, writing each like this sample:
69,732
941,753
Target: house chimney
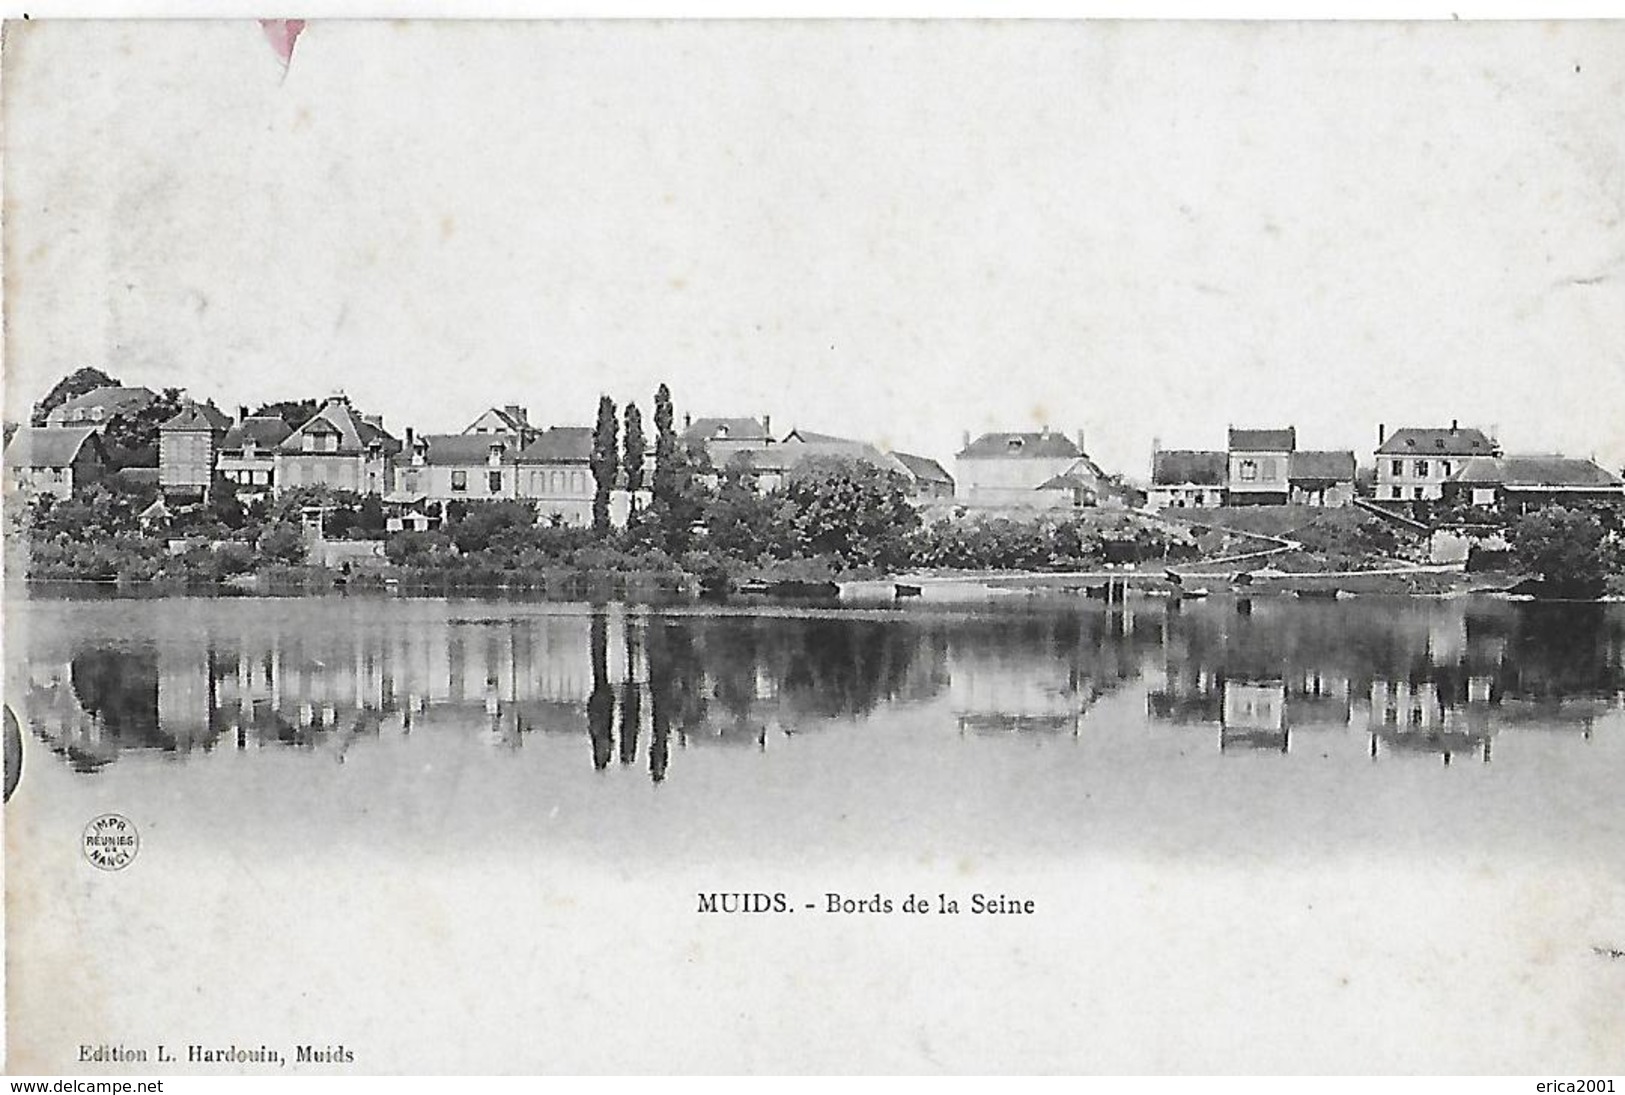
409,438
964,439
1156,445
242,413
1080,442
1382,434
1455,424
688,420
767,426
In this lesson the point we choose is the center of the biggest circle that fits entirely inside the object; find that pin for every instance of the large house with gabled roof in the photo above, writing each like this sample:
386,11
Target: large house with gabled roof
337,447
457,467
1517,483
930,480
555,473
1187,479
724,438
511,420
1413,463
248,452
188,448
1005,469
53,460
97,406
1260,466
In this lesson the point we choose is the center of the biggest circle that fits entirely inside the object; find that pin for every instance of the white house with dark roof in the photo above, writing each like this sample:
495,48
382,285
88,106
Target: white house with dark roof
97,406
1006,469
1414,463
338,448
53,460
248,451
930,480
510,420
1187,479
188,448
1317,477
457,467
1260,466
724,438
1517,483
555,472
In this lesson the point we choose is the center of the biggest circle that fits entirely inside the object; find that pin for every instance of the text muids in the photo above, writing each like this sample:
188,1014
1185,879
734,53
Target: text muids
758,902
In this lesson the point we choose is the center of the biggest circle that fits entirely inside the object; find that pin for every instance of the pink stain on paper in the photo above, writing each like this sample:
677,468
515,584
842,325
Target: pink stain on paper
282,34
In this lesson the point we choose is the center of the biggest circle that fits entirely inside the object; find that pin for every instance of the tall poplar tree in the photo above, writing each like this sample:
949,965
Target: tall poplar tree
633,447
604,462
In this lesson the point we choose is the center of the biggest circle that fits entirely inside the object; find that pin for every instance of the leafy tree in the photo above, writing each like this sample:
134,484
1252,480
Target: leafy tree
224,505
740,521
421,549
75,384
603,462
370,516
501,526
282,542
131,437
295,412
1567,548
633,448
851,510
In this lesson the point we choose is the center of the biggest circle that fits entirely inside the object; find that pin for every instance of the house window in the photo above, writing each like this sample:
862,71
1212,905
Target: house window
576,480
411,484
1416,492
1421,469
1445,466
557,479
495,478
459,480
1249,470
1396,469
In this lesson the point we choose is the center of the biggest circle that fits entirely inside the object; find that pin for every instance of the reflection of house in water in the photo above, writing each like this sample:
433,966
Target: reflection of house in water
1421,717
991,693
624,684
1249,712
1254,715
1041,673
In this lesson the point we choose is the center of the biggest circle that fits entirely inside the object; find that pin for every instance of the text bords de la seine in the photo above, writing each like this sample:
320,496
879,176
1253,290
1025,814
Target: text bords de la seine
841,904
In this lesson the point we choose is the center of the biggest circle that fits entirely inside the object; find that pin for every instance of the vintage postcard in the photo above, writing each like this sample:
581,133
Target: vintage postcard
814,547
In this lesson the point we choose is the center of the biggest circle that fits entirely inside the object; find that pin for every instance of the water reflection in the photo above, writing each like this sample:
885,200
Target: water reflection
1429,679
1438,679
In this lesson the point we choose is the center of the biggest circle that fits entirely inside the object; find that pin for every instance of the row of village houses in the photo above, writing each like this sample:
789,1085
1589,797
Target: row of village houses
501,454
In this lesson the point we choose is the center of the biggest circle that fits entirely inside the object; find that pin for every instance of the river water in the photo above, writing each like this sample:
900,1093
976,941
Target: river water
1379,834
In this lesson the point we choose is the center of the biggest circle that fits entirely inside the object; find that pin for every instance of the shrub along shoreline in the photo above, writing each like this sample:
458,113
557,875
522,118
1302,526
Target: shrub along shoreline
835,520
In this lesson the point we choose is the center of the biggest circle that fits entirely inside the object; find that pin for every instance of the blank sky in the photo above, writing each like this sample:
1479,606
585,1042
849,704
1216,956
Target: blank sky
895,231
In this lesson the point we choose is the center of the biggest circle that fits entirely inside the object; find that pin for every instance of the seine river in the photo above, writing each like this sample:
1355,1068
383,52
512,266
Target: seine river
1241,823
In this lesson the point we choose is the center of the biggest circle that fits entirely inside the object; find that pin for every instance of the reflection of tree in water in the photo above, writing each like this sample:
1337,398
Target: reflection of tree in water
631,701
838,668
120,688
1564,650
676,697
601,702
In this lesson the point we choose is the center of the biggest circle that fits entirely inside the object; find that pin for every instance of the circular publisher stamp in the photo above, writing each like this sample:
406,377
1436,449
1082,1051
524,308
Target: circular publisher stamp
111,842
